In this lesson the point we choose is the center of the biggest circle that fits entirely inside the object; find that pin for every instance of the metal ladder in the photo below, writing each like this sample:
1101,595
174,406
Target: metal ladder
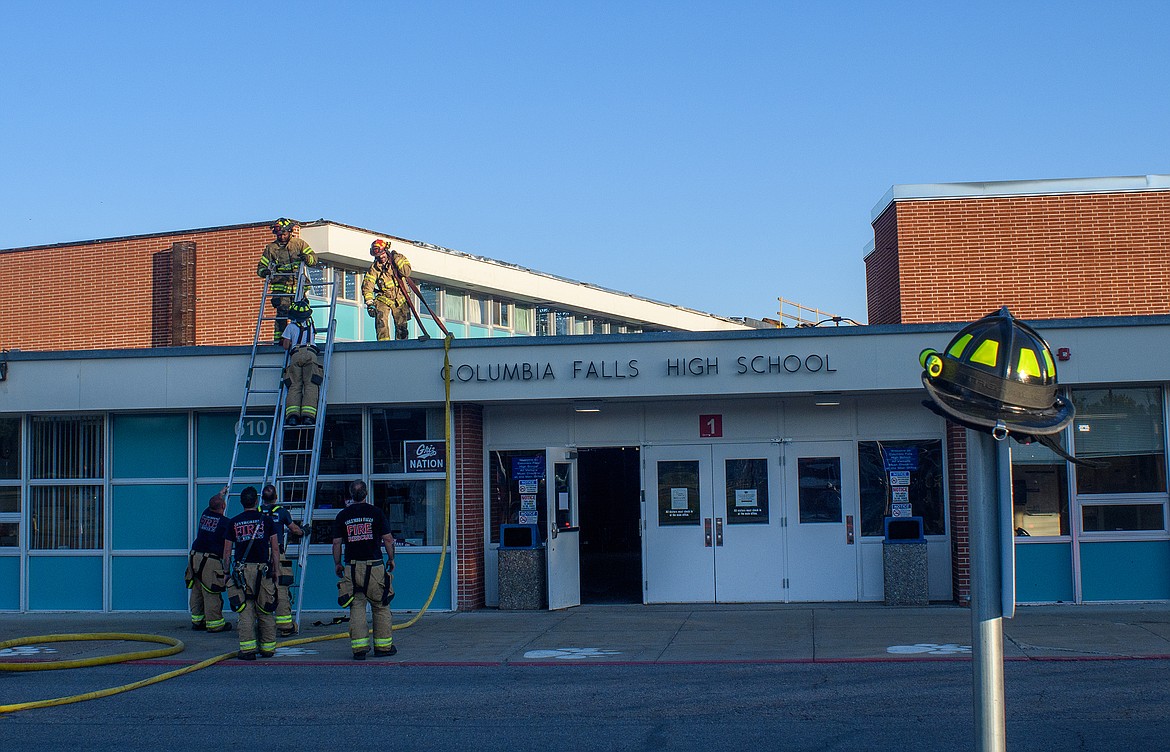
291,453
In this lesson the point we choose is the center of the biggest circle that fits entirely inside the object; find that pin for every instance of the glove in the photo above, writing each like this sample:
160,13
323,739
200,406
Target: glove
264,271
372,310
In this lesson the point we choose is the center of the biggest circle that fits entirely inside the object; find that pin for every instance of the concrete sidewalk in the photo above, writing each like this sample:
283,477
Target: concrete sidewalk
654,634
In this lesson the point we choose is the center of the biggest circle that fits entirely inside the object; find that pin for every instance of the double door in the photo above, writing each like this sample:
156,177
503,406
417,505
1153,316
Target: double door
763,522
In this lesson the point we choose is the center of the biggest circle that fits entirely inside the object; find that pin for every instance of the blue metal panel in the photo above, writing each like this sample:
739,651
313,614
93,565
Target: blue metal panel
1044,572
215,437
346,317
414,574
9,583
148,583
1125,571
66,583
152,516
150,446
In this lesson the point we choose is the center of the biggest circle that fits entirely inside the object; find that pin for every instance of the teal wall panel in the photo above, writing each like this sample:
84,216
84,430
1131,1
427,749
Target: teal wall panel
9,583
414,574
148,583
153,516
150,446
1044,573
65,583
1125,571
347,322
215,438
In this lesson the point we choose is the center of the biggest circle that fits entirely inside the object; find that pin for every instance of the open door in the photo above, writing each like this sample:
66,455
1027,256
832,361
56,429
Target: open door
563,536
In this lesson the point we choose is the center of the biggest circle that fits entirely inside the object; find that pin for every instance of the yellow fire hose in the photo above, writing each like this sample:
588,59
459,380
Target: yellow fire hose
175,645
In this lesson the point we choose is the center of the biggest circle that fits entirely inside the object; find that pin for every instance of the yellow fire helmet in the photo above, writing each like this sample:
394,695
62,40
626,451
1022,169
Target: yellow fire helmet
997,375
300,310
283,225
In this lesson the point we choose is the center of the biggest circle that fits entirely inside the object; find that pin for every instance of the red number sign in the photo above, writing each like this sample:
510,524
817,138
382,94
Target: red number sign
710,426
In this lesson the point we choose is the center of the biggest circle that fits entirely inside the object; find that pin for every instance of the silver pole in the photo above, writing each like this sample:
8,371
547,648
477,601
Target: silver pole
986,591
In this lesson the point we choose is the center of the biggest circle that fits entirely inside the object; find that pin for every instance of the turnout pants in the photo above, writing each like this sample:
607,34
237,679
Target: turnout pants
257,626
206,606
384,313
304,375
284,614
359,636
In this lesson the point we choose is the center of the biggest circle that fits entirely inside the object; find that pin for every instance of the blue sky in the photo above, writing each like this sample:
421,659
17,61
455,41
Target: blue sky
715,155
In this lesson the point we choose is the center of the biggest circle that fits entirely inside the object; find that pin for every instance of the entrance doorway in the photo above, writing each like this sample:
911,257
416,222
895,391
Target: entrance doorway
609,479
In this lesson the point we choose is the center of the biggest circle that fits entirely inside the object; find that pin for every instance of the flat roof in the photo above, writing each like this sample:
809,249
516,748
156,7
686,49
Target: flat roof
995,188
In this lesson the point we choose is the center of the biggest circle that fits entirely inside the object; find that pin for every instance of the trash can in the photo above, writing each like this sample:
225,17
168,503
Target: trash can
521,568
904,562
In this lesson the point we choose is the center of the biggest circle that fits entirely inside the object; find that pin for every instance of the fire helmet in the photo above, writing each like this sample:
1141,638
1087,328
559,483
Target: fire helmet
283,225
300,310
997,374
379,246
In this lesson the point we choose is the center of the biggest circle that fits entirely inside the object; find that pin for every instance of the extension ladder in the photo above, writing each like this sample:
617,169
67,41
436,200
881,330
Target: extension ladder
268,451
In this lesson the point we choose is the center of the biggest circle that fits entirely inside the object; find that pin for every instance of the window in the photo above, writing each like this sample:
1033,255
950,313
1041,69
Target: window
919,463
544,322
501,313
413,509
453,303
746,484
510,503
349,290
1108,518
476,310
390,427
678,492
431,294
564,323
1039,491
65,511
318,276
523,320
9,482
819,489
1122,430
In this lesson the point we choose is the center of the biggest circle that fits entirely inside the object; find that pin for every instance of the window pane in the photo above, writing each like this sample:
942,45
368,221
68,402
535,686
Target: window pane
523,320
747,491
9,534
66,447
430,294
1123,429
316,280
341,444
508,470
413,509
923,460
65,517
1039,491
453,305
678,492
9,498
389,428
10,448
564,323
1100,518
819,481
543,322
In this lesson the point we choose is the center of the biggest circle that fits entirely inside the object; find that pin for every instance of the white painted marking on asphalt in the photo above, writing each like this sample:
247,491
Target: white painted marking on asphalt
930,648
571,654
295,651
25,650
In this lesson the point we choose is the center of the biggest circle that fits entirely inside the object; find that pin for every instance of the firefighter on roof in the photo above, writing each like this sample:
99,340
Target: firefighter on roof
384,292
280,260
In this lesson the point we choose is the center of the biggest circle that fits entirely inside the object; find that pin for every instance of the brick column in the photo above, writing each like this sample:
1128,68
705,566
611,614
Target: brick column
960,527
469,506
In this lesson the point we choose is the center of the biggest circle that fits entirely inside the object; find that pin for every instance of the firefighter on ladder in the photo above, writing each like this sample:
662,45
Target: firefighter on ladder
280,260
283,521
304,374
383,292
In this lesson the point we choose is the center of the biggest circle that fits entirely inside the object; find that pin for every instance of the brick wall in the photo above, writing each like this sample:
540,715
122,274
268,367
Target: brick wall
117,293
1061,256
959,513
883,296
469,506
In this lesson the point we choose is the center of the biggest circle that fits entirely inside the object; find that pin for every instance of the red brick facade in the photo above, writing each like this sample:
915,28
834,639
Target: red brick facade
469,506
117,293
1057,256
1043,256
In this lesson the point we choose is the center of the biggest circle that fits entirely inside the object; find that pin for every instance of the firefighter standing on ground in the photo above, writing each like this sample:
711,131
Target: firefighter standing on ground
256,569
206,576
281,259
384,295
304,374
362,528
285,626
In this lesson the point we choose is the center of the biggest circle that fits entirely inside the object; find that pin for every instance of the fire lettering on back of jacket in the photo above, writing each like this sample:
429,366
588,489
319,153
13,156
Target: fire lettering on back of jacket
361,529
248,531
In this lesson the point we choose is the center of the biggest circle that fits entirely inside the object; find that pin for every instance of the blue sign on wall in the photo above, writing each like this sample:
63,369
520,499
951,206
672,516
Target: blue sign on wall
900,458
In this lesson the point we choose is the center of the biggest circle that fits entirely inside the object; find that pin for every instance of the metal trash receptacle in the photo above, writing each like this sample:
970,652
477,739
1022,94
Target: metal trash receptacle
521,568
904,563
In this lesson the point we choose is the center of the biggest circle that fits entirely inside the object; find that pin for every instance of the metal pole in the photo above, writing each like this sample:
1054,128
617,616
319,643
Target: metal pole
986,591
